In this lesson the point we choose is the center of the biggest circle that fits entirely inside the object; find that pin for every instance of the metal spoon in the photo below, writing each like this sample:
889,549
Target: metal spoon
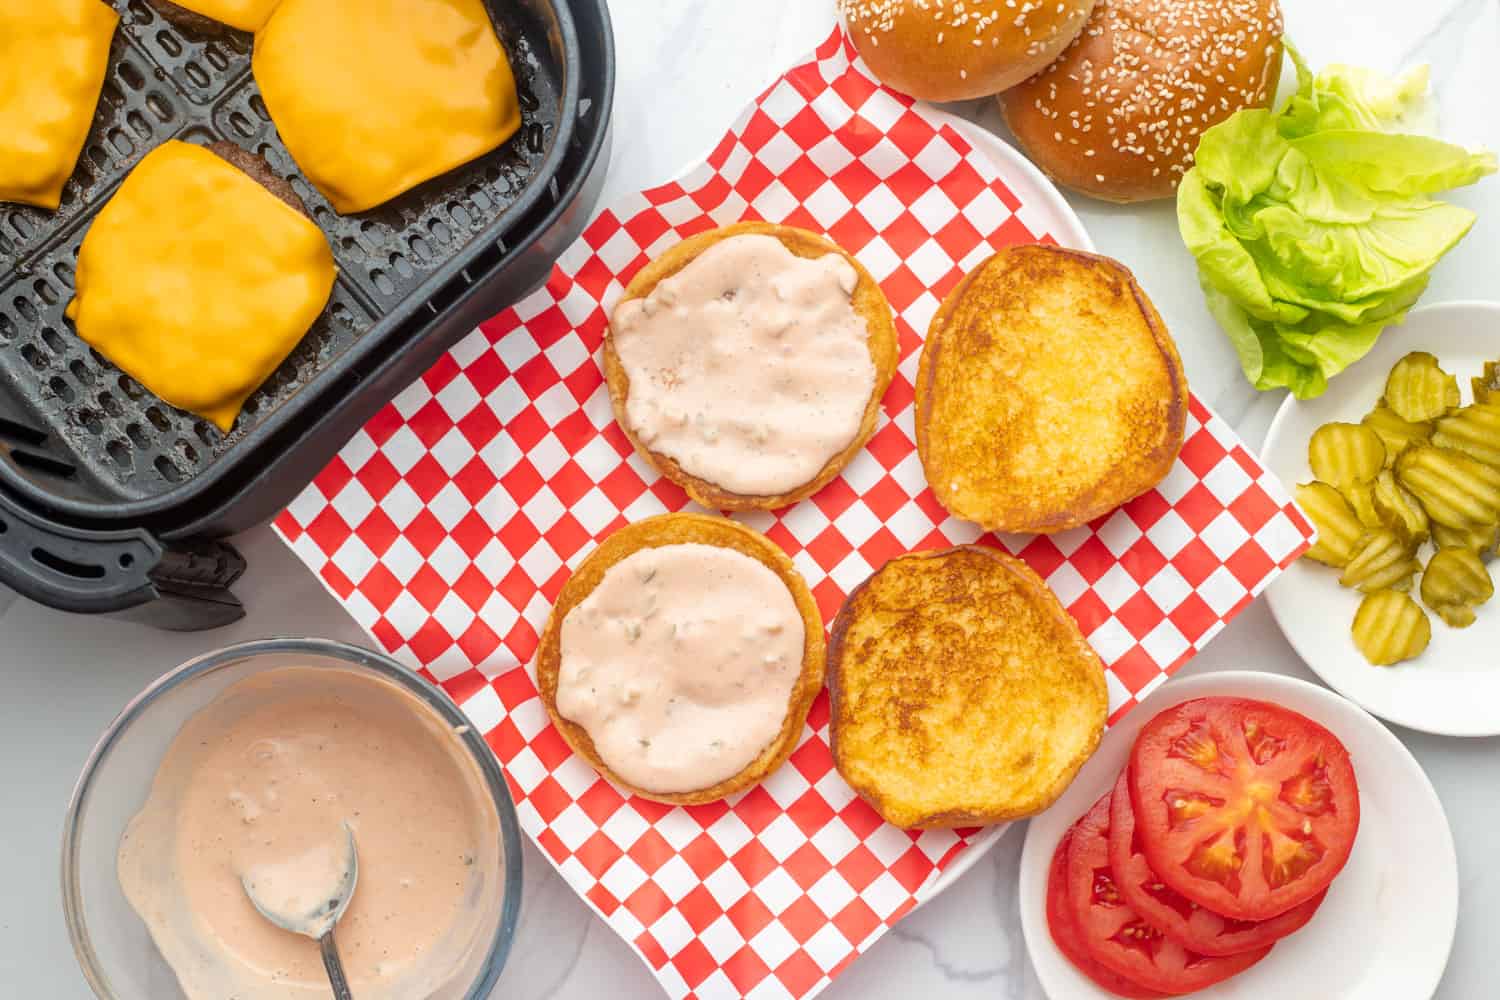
318,924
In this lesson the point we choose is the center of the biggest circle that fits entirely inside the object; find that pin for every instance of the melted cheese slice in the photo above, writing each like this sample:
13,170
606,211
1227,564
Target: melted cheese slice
247,15
198,282
373,97
53,57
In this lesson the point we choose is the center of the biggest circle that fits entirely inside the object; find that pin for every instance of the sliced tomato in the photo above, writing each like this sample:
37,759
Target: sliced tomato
1116,937
1245,808
1196,928
1065,932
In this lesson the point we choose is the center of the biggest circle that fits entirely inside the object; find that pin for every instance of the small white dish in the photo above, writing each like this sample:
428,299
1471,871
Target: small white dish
1386,927
1453,688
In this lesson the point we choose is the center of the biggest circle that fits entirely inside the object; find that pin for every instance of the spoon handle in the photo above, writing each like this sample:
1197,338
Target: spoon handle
334,967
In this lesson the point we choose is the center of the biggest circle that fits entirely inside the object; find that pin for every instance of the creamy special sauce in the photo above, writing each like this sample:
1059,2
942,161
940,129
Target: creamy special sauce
680,665
750,367
305,887
260,782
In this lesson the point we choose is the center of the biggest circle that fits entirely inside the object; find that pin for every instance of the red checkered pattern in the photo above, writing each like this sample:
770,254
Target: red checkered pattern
449,524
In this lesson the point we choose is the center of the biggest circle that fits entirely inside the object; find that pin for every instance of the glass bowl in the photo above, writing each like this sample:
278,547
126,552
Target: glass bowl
113,946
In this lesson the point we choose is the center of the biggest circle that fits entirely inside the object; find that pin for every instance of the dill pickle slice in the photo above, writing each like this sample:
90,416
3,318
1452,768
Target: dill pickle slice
1395,433
1390,627
1454,584
1338,528
1453,488
1361,497
1345,454
1479,540
1381,560
1418,389
1487,386
1399,510
1473,430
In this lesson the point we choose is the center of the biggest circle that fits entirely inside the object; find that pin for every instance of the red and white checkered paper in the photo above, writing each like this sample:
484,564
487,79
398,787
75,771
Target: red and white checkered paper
449,524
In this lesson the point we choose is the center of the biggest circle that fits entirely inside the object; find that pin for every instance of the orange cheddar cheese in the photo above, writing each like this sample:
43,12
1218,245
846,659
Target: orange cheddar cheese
198,282
373,97
53,57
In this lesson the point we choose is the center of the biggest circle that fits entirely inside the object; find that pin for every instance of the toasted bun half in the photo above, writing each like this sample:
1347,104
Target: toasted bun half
1048,392
958,51
1118,116
678,529
963,693
868,301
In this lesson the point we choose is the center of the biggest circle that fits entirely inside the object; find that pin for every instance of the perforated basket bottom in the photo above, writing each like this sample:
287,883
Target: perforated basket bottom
73,423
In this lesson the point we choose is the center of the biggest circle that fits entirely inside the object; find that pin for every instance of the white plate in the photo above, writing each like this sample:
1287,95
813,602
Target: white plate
1454,687
1033,188
1385,929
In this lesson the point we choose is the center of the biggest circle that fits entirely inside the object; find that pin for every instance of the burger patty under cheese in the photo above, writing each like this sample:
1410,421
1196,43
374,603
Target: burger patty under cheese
53,58
373,97
197,281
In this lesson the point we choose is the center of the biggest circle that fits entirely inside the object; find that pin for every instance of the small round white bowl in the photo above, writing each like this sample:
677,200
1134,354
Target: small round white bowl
1386,927
1452,689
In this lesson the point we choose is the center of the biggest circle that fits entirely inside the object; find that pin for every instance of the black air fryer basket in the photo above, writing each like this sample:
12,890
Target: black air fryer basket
110,500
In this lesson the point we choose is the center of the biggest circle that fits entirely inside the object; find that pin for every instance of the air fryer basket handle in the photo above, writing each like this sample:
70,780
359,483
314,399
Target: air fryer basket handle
123,571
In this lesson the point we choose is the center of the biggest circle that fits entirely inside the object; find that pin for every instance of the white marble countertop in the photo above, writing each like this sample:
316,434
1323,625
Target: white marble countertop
686,67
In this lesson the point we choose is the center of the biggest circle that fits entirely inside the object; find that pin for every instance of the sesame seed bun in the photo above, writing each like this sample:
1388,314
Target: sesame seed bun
939,51
1118,116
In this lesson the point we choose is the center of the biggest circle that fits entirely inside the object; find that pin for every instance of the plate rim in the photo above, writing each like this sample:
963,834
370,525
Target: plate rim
1307,653
1261,684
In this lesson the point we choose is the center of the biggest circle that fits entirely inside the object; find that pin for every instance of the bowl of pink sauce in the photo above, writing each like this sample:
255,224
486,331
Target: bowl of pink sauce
256,758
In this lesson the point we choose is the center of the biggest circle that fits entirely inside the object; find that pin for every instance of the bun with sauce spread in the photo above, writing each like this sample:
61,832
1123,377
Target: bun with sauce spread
747,363
956,51
689,649
1118,116
962,691
1049,392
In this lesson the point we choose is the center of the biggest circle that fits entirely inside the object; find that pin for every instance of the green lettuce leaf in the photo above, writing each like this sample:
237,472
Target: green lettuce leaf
1315,227
1350,97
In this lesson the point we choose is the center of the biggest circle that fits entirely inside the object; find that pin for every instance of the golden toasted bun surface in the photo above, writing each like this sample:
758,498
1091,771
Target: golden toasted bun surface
957,51
962,692
868,301
1048,392
1119,114
679,529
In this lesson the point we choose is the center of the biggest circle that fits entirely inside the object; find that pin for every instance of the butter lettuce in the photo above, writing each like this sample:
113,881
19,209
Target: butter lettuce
1314,227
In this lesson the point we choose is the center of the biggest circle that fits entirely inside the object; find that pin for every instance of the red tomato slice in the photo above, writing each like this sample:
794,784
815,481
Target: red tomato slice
1179,918
1116,937
1245,808
1065,932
